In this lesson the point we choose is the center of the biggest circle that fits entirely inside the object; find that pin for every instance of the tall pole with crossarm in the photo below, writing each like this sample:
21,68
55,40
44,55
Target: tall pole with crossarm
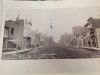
17,19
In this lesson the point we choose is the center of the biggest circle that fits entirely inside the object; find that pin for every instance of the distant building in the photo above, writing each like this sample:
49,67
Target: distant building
38,39
17,34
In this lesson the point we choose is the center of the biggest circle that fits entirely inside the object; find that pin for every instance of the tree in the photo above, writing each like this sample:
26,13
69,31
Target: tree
66,39
78,31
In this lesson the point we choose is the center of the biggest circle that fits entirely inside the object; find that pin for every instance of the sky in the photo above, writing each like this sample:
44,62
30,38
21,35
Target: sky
62,19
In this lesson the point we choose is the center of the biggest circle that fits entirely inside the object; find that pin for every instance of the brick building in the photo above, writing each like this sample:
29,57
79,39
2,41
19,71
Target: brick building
17,34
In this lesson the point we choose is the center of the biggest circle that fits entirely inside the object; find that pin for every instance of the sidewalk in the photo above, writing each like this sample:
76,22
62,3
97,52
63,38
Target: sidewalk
21,51
94,48
18,51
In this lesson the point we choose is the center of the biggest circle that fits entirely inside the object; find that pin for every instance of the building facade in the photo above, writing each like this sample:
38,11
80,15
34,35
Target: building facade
91,37
17,34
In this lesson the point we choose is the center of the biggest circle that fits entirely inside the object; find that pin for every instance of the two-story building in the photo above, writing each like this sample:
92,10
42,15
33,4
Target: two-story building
93,32
17,34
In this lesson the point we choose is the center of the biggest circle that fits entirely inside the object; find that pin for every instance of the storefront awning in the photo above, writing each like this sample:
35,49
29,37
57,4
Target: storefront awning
13,41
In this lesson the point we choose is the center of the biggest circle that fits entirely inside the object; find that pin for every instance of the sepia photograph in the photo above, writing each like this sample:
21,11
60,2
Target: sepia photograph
67,33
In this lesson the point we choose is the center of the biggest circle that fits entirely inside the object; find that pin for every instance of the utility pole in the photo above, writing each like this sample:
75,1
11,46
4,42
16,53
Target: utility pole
17,19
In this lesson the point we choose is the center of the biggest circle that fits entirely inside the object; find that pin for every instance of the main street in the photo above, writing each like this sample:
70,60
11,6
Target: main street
54,51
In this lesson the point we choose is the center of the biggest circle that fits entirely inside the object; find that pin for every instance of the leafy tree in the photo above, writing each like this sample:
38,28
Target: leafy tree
79,31
66,39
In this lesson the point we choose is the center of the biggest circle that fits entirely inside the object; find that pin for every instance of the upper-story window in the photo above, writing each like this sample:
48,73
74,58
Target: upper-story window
6,31
12,31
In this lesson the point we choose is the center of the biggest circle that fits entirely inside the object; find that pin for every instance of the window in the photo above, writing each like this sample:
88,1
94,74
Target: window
6,31
12,31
